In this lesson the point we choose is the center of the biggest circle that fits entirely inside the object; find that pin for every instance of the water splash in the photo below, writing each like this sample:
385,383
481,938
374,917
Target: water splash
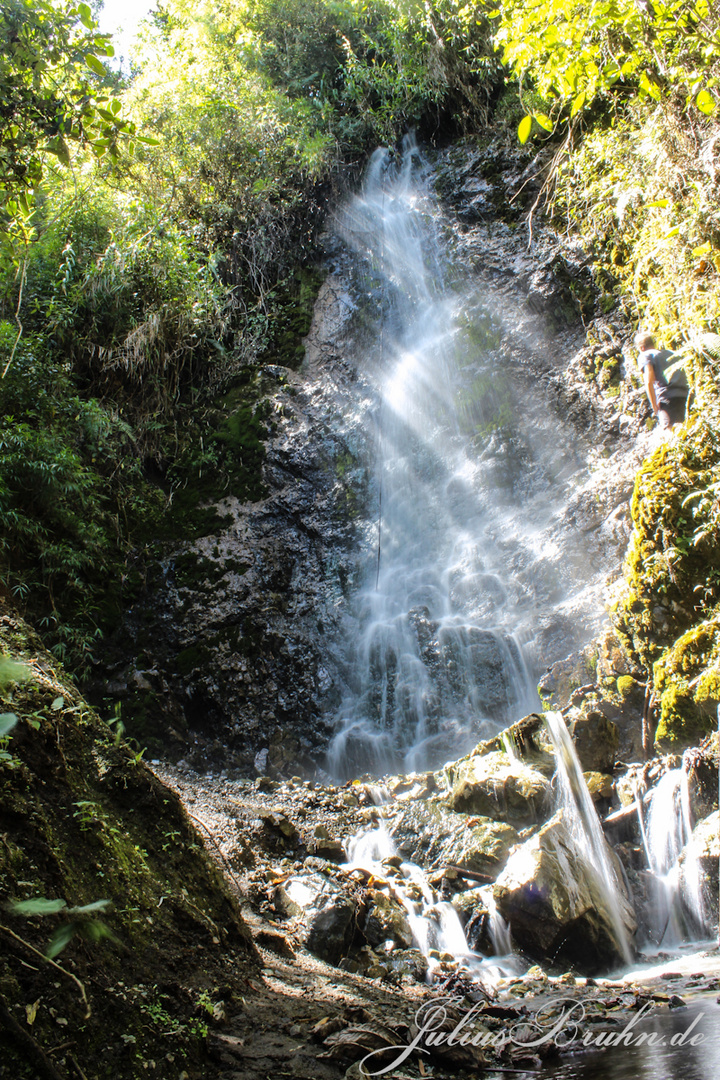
576,801
435,925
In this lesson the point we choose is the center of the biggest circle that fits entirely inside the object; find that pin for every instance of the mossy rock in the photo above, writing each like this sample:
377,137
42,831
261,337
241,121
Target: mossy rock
630,691
682,723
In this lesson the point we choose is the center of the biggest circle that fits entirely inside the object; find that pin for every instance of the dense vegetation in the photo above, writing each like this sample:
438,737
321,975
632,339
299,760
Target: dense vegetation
159,244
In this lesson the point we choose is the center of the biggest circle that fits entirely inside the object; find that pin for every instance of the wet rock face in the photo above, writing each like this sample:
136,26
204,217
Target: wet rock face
704,848
237,636
554,910
242,640
499,787
436,837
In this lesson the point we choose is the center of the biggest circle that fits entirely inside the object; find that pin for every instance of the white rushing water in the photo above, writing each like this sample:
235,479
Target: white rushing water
463,569
596,857
679,911
435,925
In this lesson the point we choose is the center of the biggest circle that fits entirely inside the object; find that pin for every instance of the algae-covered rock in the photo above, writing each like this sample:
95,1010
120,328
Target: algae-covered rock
596,740
499,787
687,679
526,739
431,834
386,920
681,723
555,905
600,785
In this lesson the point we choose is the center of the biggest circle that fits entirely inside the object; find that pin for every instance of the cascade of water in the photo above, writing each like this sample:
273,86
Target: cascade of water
576,802
679,911
435,925
499,929
466,461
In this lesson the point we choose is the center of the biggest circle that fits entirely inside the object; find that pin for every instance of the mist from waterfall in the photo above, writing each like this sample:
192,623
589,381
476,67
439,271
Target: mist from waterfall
460,565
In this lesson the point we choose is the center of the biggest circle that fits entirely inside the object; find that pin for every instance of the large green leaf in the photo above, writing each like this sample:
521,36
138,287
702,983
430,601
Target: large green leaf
524,129
95,65
706,102
38,906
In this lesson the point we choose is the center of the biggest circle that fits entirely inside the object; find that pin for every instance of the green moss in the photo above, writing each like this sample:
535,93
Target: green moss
626,686
681,723
672,572
295,300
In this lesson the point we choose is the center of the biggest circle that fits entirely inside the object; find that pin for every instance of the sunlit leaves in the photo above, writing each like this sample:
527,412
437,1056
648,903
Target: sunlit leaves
574,51
706,102
95,66
524,129
52,85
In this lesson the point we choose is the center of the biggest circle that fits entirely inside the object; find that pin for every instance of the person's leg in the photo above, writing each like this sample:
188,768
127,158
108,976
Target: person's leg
671,410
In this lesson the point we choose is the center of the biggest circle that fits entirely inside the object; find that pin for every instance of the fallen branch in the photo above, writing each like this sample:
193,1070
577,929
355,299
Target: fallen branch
471,875
217,846
52,963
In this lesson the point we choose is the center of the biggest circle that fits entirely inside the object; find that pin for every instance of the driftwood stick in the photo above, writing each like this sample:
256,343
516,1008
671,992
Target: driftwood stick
471,875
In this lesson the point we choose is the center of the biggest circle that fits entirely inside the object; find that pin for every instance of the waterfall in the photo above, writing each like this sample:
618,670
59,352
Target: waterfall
461,564
678,908
576,801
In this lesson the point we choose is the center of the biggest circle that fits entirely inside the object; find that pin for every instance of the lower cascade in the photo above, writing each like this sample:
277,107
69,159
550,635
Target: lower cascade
679,907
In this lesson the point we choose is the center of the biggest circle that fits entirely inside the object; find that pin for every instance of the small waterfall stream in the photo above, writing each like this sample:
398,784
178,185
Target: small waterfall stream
576,802
462,564
679,910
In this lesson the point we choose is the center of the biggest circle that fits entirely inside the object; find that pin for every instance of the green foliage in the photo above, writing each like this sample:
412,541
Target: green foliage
56,93
152,284
93,930
57,534
646,205
573,52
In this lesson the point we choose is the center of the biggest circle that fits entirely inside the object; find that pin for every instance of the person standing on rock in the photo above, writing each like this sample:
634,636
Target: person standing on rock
667,396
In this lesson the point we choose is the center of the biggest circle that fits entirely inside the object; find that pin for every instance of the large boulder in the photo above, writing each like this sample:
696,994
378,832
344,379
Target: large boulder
501,787
596,740
330,929
430,834
325,910
557,907
386,920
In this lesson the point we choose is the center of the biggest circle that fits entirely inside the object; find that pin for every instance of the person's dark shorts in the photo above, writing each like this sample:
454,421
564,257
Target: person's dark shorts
671,410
